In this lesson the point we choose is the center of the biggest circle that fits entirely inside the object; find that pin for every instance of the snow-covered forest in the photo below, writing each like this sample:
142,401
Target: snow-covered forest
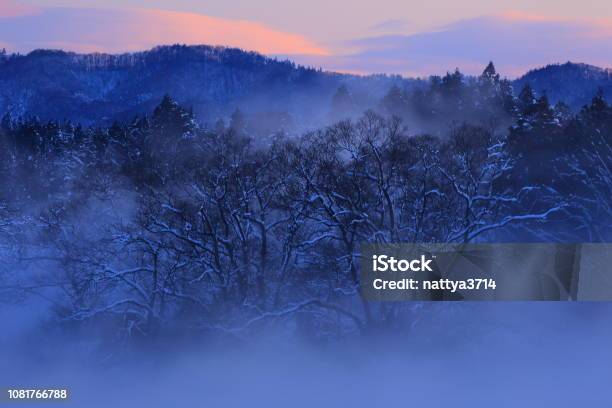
162,226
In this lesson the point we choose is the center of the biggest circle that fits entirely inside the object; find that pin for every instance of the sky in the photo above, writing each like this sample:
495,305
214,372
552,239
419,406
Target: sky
407,37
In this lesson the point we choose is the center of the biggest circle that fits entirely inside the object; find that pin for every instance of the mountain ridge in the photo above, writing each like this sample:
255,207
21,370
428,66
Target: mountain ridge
215,80
92,88
574,83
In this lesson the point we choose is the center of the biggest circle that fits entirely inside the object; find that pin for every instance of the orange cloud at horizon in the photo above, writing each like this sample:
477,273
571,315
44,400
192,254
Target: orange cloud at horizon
194,28
121,30
515,40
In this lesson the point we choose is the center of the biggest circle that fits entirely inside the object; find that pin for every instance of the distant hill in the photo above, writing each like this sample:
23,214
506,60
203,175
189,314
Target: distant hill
97,88
214,81
575,84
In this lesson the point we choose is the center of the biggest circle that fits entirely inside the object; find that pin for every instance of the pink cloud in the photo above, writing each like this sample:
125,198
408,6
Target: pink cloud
522,16
593,27
515,41
194,28
8,8
114,30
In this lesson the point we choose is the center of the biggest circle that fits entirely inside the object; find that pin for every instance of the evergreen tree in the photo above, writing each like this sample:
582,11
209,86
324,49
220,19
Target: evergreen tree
452,84
395,102
342,103
172,121
489,73
526,100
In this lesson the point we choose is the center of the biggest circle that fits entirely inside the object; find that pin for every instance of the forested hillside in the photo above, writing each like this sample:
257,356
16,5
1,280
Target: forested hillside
162,225
213,81
96,89
574,84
